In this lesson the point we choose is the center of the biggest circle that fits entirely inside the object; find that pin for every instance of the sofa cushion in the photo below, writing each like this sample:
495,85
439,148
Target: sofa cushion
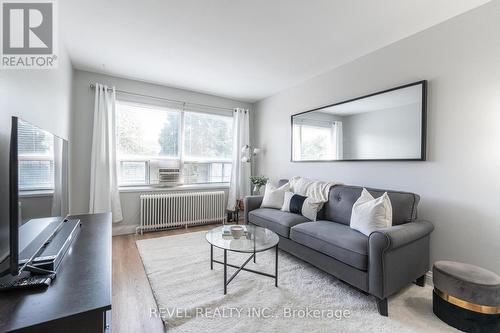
342,198
335,240
276,220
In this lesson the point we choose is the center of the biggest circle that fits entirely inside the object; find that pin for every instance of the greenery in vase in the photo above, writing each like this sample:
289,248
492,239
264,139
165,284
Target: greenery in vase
259,181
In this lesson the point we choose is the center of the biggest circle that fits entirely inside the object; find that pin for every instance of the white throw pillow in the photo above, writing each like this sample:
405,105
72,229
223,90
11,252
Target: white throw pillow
286,201
273,197
370,214
311,208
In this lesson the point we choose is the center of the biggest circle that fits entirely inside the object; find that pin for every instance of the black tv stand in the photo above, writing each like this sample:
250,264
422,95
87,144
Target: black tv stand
78,299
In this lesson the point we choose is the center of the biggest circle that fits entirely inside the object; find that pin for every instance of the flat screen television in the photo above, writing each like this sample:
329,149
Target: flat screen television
38,193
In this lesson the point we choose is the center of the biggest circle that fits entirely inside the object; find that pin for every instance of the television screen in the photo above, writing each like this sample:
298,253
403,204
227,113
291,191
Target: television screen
38,189
5,132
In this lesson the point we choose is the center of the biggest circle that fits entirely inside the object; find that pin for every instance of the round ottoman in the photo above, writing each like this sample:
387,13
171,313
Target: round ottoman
466,297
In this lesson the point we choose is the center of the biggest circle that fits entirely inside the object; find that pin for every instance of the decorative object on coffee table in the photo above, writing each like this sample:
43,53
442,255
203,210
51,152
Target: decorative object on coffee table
466,297
256,239
237,231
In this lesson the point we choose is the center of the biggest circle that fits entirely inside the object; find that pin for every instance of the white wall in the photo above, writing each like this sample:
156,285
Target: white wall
41,97
81,138
460,182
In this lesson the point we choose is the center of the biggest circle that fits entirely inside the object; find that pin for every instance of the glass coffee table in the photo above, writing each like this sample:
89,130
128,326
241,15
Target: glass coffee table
256,239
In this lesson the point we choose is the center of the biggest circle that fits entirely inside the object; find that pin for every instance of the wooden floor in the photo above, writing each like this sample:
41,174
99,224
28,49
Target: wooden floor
132,295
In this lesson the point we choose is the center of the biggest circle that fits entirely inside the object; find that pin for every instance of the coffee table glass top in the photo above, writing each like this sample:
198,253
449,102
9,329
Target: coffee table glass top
255,239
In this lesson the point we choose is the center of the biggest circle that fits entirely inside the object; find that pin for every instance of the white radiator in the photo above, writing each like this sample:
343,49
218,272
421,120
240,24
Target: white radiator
181,209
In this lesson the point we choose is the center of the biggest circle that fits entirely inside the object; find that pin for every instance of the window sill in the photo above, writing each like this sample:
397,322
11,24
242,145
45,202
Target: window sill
36,193
152,188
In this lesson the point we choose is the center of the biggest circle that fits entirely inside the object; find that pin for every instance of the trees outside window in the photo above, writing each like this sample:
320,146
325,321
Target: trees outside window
202,141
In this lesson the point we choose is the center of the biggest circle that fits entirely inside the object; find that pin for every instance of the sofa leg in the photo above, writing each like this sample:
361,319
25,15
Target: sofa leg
382,306
420,281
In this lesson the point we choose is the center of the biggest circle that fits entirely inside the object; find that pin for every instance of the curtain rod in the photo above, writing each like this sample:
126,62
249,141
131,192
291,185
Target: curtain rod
92,86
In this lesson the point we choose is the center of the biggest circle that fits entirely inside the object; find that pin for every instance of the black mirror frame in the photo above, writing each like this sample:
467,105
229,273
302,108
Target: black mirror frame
423,148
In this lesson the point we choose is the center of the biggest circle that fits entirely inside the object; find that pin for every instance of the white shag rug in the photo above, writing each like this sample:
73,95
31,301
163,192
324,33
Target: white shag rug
190,296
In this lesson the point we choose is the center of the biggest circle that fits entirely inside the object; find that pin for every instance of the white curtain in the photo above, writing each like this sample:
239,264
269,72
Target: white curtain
240,172
338,140
104,195
60,204
58,171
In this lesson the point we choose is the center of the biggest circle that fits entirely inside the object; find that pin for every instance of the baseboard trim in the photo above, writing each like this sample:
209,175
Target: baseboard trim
126,229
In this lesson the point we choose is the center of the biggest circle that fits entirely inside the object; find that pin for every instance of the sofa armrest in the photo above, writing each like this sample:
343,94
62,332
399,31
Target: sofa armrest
250,203
399,235
397,256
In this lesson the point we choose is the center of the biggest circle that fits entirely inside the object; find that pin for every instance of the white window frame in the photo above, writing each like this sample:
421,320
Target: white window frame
146,176
299,124
181,159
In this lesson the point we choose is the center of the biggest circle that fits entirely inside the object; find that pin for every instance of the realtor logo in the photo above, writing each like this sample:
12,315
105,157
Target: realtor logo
28,34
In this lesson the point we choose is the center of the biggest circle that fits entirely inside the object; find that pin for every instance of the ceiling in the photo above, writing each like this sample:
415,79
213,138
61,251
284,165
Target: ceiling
245,50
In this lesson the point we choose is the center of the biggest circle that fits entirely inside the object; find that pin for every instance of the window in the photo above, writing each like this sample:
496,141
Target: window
144,133
210,172
147,132
316,142
36,158
150,138
207,136
134,172
207,148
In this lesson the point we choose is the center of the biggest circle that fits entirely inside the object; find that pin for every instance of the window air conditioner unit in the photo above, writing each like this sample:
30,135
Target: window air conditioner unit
165,172
169,176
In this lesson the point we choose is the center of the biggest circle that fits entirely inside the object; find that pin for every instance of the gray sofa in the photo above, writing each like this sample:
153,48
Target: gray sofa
379,265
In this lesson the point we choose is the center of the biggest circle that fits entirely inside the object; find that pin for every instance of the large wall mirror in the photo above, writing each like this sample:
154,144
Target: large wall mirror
388,125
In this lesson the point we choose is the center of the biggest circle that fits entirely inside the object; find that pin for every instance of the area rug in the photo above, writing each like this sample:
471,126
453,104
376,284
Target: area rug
190,296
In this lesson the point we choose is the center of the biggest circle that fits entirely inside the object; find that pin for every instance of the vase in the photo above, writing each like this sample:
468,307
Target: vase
256,190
